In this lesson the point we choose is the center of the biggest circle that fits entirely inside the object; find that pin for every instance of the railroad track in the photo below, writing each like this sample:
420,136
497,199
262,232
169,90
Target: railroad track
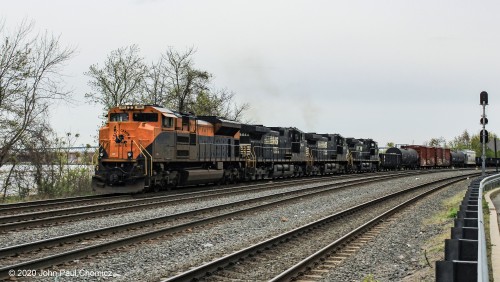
23,207
43,218
313,265
60,203
64,249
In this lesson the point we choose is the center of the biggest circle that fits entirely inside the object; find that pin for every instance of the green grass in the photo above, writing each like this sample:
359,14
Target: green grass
486,217
370,278
449,210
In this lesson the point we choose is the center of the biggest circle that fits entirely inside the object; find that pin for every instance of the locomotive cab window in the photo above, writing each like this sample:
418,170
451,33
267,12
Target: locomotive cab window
118,117
151,117
168,122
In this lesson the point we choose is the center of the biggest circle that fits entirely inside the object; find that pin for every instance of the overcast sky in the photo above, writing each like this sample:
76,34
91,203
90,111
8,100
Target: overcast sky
400,71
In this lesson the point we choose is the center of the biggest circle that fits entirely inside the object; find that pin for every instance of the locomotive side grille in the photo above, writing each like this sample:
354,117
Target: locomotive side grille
183,153
183,139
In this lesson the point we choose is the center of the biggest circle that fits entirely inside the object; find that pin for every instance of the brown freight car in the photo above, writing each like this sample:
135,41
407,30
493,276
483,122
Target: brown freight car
431,156
443,158
439,156
427,155
447,157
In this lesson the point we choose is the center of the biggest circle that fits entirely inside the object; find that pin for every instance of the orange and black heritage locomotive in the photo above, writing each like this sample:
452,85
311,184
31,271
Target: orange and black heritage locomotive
145,148
149,148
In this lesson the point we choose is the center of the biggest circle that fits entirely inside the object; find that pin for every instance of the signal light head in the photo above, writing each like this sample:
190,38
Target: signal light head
484,133
483,98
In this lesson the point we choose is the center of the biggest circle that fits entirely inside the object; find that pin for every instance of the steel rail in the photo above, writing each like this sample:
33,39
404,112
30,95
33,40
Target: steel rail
18,249
38,204
59,204
82,252
314,260
220,191
57,216
208,268
5,207
47,204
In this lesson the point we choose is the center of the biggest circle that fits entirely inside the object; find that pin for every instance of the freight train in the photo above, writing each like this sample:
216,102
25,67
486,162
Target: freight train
150,148
417,156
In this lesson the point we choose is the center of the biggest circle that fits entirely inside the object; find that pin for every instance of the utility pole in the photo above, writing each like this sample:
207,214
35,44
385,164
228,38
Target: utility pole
483,99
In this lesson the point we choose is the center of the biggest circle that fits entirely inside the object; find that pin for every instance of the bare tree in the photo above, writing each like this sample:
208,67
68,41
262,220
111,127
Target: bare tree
184,81
190,88
120,80
156,90
228,108
436,142
30,80
219,103
172,82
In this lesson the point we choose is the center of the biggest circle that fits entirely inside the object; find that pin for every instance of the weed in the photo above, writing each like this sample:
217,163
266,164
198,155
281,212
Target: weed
452,212
370,278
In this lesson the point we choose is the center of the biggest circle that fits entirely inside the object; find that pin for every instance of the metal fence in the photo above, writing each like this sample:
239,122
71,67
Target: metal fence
465,253
482,258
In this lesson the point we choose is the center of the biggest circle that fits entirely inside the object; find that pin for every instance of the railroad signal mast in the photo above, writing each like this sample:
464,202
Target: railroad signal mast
483,99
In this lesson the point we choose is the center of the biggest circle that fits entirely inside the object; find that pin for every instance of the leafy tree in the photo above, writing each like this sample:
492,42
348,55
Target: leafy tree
390,144
30,80
477,146
461,142
120,80
465,141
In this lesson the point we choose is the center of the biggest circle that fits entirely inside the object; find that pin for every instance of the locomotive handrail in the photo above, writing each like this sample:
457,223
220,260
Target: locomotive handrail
150,159
142,150
254,158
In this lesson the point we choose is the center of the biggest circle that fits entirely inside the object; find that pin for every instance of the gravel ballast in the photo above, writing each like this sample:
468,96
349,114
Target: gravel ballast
150,261
399,252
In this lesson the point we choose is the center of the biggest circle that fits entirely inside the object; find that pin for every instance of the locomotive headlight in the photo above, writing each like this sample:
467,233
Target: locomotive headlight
130,154
101,154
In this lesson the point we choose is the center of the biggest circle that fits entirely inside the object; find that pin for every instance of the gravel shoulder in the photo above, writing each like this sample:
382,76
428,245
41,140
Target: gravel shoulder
409,248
